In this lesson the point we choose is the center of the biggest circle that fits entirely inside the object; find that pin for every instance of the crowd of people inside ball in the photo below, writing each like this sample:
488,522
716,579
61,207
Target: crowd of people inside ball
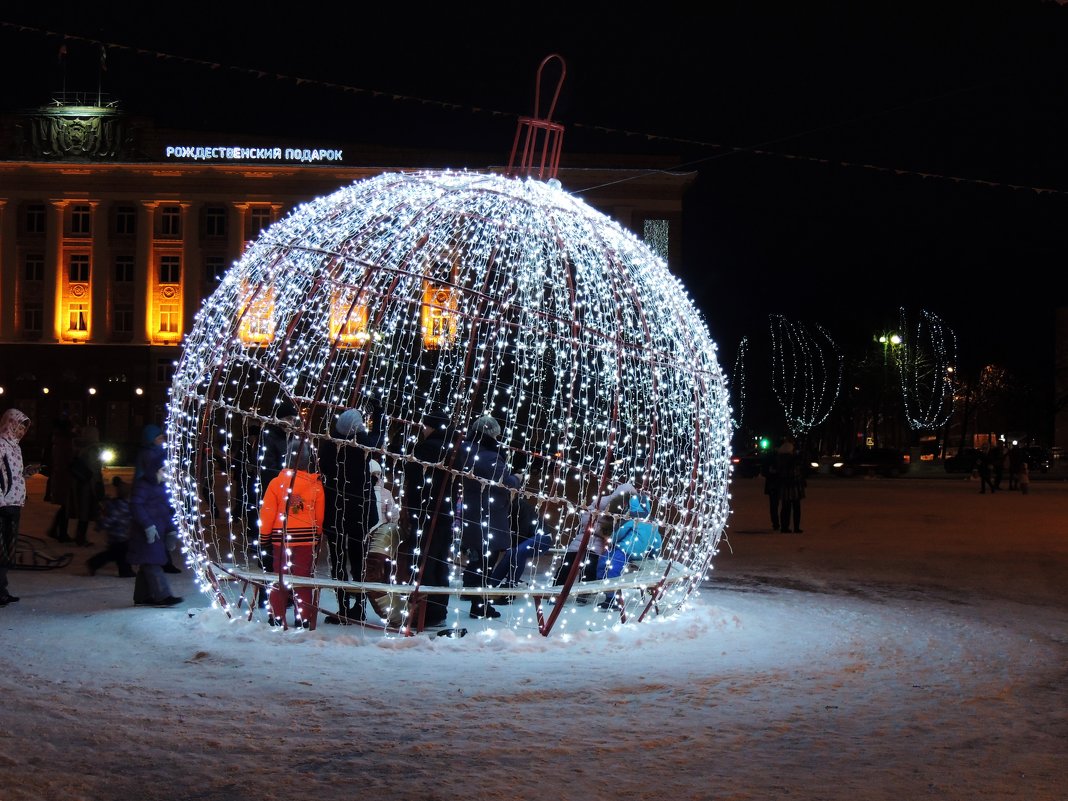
296,493
453,481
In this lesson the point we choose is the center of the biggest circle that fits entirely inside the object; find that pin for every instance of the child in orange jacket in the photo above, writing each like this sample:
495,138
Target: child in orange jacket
292,517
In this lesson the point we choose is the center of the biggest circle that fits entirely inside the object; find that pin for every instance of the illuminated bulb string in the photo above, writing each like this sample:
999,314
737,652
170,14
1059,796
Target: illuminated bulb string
473,294
737,383
806,373
926,360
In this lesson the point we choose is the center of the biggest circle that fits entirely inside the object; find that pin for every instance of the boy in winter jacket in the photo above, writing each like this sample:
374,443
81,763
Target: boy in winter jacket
635,539
291,518
115,523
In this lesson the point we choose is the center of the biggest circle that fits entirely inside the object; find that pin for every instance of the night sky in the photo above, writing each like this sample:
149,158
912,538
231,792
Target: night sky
849,163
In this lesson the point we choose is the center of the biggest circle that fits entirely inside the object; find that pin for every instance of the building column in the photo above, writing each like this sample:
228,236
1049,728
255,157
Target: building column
192,264
54,274
100,314
144,277
238,222
9,269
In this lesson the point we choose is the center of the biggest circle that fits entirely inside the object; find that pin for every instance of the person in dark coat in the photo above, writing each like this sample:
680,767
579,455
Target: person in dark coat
772,487
58,488
350,508
152,520
428,506
792,482
86,491
984,465
151,453
485,511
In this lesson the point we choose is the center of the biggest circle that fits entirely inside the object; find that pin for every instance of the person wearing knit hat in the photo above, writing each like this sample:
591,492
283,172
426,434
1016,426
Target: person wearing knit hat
350,502
350,423
273,455
486,426
13,472
436,419
485,512
428,515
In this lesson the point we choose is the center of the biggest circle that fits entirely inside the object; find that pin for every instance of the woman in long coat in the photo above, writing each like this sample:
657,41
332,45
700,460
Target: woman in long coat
152,520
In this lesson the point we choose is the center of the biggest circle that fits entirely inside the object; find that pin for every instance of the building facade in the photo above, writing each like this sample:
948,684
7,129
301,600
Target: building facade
113,233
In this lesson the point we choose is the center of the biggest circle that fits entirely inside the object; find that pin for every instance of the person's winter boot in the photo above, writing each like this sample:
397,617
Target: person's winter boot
483,610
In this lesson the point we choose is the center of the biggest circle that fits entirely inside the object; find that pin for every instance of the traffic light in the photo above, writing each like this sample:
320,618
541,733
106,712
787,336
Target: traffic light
765,443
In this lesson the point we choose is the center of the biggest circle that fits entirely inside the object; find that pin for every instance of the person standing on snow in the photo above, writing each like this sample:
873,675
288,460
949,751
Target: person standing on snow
152,524
13,472
291,520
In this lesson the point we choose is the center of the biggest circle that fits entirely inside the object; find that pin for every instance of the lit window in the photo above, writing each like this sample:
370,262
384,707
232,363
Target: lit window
168,318
78,317
256,318
348,320
438,315
170,269
78,268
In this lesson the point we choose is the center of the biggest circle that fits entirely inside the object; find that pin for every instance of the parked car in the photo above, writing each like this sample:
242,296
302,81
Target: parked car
871,461
963,461
747,465
1038,459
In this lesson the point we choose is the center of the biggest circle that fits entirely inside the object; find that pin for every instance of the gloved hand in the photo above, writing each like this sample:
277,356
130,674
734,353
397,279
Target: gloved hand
151,534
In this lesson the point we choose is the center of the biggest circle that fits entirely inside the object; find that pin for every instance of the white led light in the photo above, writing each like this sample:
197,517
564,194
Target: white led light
476,294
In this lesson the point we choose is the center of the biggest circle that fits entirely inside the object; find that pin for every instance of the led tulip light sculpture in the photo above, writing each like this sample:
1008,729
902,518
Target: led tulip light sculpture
926,363
806,373
473,294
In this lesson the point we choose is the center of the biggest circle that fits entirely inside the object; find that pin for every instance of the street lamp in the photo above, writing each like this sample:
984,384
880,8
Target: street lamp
889,341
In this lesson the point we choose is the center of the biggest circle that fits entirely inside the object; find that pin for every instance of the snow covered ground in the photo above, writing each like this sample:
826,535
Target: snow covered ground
912,643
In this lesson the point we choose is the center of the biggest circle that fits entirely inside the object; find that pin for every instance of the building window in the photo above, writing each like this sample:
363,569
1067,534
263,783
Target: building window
164,371
215,221
78,268
32,320
33,267
168,318
171,221
78,318
35,218
124,269
126,220
214,270
655,233
81,220
260,217
170,269
124,319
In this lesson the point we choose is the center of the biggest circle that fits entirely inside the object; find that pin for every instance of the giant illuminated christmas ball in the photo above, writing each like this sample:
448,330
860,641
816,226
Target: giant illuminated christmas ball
467,295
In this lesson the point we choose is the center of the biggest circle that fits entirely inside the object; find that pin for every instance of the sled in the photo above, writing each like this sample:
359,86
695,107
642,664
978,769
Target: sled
31,553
